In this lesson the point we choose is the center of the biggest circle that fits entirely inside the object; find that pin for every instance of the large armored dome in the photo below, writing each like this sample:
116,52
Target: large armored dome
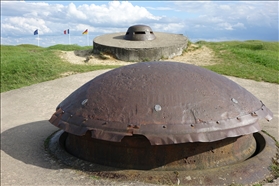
167,102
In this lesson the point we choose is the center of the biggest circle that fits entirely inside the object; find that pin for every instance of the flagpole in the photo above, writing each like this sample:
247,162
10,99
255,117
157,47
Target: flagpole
87,33
69,36
87,37
38,38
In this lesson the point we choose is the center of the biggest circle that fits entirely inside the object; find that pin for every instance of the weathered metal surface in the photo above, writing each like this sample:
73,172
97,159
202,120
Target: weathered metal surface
252,171
167,102
135,152
139,33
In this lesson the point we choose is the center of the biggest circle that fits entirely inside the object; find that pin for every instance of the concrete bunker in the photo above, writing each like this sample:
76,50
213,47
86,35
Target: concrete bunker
139,43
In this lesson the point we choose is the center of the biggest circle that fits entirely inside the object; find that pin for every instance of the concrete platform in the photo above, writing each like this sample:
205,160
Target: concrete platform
25,127
166,45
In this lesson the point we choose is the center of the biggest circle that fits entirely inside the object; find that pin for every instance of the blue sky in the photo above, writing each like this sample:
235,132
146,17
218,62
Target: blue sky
207,20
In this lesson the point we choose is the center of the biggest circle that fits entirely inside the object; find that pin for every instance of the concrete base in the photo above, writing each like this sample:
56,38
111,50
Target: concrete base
254,170
165,46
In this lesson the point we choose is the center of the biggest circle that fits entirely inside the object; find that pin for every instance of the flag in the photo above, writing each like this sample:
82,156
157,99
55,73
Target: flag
36,32
67,31
85,32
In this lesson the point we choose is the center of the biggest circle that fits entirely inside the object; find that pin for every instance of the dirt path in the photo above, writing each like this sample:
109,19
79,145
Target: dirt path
200,56
196,55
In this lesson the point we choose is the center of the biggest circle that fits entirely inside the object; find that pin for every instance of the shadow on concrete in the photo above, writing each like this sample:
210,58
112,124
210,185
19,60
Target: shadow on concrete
26,144
119,37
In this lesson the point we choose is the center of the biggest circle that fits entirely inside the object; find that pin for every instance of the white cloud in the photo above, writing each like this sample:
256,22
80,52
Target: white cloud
170,27
21,24
199,26
160,8
248,13
239,25
208,19
51,18
225,26
229,26
73,12
117,13
225,7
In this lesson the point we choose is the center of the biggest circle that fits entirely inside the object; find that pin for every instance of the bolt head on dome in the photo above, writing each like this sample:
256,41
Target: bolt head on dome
167,102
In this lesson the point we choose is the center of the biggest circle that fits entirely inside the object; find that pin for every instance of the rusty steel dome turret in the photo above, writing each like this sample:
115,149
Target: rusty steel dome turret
166,102
148,109
139,33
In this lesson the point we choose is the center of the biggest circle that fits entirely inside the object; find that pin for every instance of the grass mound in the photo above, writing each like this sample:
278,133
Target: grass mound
69,47
25,65
257,60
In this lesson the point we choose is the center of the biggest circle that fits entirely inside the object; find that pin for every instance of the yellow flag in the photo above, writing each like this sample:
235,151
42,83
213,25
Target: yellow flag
85,32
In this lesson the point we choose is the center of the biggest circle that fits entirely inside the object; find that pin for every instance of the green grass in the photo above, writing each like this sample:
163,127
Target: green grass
69,47
25,65
257,60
